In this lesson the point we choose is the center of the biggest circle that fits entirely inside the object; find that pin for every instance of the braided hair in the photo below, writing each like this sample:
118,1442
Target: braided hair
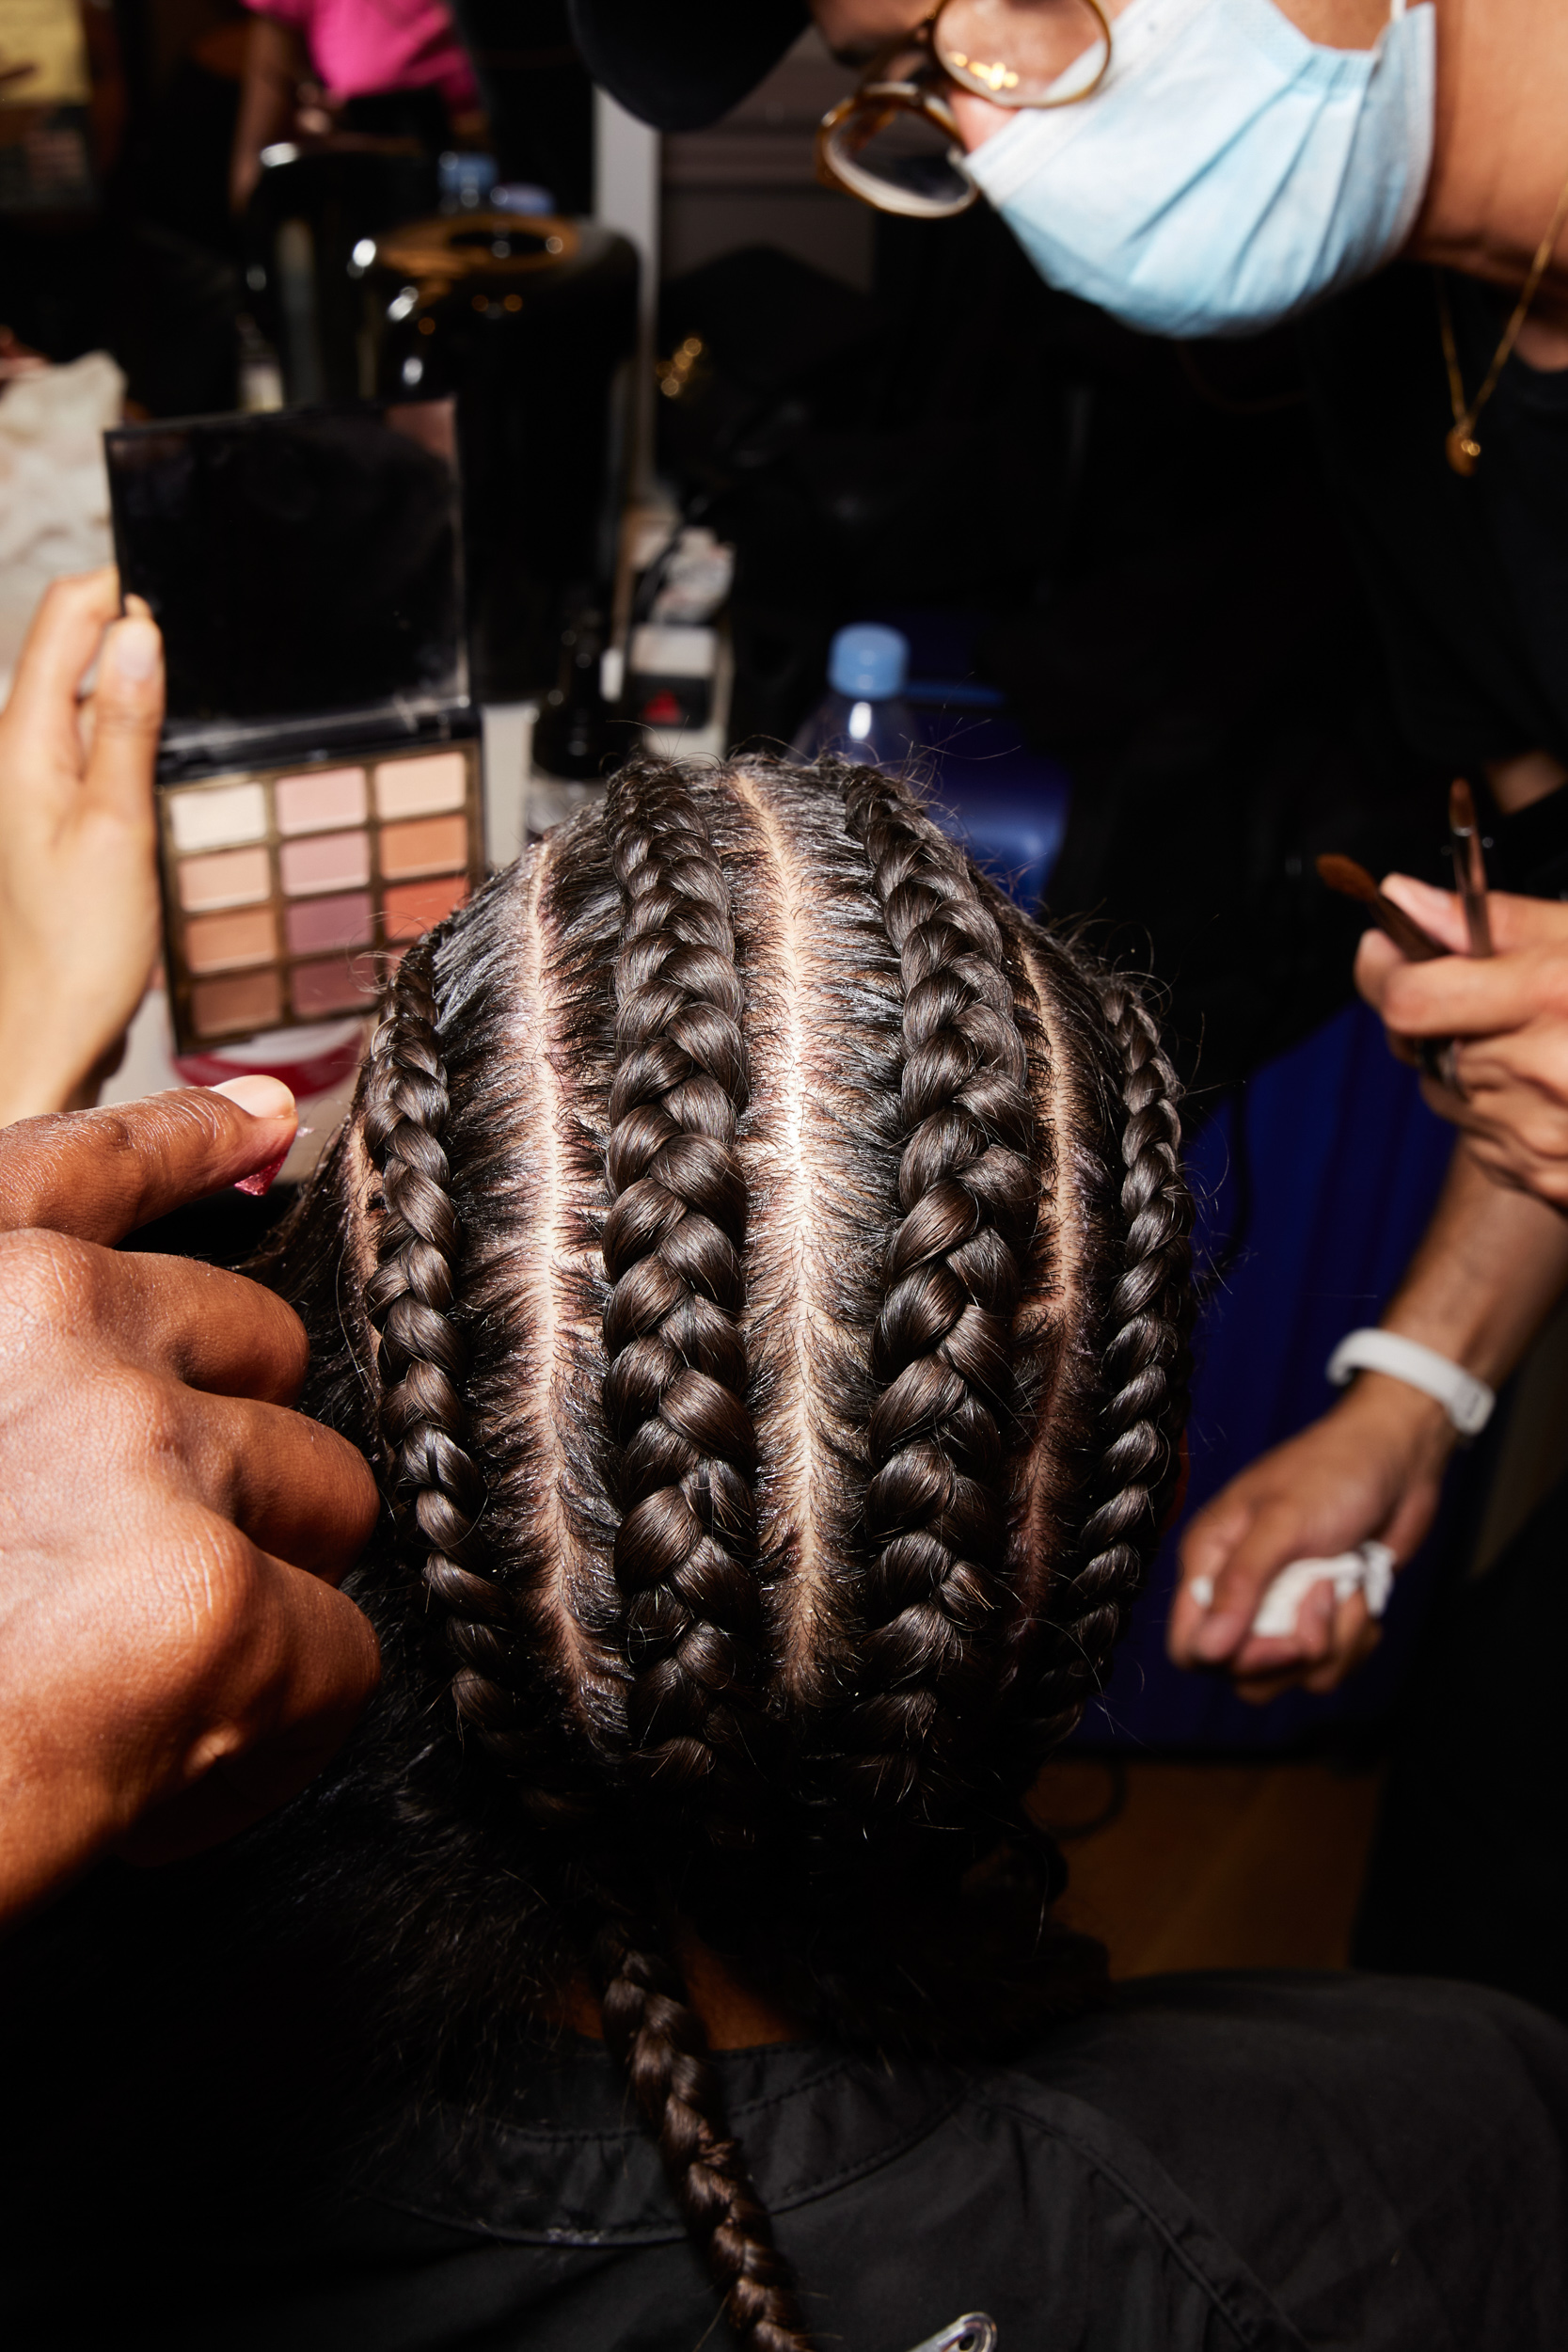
434,1483
942,1344
773,1309
659,2038
1145,1356
676,1389
436,1487
675,1403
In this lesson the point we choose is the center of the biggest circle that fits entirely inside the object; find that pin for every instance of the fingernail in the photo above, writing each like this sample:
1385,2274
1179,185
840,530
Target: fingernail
135,651
263,1180
1202,1590
263,1098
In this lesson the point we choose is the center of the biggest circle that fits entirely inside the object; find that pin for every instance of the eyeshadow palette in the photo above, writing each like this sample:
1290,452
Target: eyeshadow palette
320,794
290,891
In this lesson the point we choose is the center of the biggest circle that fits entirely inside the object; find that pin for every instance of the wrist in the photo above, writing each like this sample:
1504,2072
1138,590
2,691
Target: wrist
33,1089
42,1068
1466,1399
1396,1417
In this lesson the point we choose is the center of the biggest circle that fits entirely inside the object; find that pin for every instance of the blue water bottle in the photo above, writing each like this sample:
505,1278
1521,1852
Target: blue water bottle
864,715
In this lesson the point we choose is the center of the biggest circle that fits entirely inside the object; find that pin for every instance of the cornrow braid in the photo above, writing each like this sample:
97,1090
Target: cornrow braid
676,1390
1145,1356
657,2039
437,1485
942,1344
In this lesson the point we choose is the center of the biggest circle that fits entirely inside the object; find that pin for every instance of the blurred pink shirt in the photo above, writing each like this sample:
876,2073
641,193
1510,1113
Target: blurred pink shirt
361,45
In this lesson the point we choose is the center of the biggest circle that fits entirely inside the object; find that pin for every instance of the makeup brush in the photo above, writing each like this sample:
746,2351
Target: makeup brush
1469,867
1354,881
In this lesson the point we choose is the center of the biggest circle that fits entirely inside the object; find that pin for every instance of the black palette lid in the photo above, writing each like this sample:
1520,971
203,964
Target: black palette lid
305,569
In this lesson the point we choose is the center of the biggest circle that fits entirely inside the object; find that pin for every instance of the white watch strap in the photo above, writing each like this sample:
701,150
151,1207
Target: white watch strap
1466,1401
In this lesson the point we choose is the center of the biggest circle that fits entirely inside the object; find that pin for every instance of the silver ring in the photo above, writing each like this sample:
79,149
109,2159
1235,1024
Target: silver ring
1438,1059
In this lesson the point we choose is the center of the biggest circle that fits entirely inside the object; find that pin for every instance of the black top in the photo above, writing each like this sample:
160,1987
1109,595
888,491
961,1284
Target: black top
1468,575
1214,2162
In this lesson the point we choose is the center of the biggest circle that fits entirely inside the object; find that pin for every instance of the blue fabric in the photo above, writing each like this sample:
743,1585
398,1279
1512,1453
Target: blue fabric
1006,802
1346,1165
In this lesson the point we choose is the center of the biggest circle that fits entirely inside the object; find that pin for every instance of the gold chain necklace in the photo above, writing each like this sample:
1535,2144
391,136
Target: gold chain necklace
1460,443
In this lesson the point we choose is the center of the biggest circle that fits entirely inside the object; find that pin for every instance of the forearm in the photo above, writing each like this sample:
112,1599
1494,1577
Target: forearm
1489,1269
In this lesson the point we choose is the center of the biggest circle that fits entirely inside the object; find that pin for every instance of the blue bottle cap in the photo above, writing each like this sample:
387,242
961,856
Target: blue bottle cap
464,180
867,660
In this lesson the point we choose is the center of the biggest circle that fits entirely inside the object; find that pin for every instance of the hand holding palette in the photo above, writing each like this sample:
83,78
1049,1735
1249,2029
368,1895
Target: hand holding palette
302,847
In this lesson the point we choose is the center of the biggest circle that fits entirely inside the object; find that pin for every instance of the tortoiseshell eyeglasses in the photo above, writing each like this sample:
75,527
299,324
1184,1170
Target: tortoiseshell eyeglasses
894,142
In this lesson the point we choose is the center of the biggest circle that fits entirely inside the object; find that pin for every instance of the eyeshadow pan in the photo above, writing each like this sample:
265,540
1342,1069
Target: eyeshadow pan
317,802
327,861
411,908
238,1007
421,788
437,845
223,942
315,926
293,891
234,878
215,817
338,986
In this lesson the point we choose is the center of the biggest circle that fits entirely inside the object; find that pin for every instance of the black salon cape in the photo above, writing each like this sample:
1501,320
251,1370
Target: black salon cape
1214,2162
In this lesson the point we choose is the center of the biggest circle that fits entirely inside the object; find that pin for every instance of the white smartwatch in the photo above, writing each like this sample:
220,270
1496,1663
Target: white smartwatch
1466,1401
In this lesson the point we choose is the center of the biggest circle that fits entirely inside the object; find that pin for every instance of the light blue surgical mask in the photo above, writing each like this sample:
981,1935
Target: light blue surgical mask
1227,172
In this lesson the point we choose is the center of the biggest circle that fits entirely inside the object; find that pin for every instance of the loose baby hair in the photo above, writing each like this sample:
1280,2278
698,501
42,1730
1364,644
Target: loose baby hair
757,1263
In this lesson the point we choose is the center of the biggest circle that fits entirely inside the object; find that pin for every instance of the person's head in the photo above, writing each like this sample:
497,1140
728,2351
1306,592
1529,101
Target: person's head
756,1259
1212,175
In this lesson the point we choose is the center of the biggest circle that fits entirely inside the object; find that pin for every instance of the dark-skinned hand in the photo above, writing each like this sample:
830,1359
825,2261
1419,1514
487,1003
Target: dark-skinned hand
174,1657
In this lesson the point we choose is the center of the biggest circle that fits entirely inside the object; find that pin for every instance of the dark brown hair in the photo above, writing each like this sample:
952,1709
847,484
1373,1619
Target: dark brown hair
757,1260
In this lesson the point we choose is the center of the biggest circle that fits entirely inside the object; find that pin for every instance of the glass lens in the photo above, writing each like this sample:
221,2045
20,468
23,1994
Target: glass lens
1013,50
902,159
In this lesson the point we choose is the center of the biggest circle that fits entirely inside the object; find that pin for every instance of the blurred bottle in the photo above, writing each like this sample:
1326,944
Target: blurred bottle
572,734
864,715
464,180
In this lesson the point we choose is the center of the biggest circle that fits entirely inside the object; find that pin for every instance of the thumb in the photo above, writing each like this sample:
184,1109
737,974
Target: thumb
127,713
1239,1564
99,1174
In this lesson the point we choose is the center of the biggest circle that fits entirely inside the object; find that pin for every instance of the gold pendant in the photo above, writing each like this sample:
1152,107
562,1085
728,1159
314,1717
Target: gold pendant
1463,447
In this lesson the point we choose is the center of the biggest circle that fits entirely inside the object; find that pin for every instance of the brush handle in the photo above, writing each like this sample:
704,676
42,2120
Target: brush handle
1405,932
1354,881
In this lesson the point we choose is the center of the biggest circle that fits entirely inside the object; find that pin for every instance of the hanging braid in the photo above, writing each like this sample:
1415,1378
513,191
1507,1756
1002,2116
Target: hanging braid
659,2041
422,1356
675,1393
1146,1368
942,1348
